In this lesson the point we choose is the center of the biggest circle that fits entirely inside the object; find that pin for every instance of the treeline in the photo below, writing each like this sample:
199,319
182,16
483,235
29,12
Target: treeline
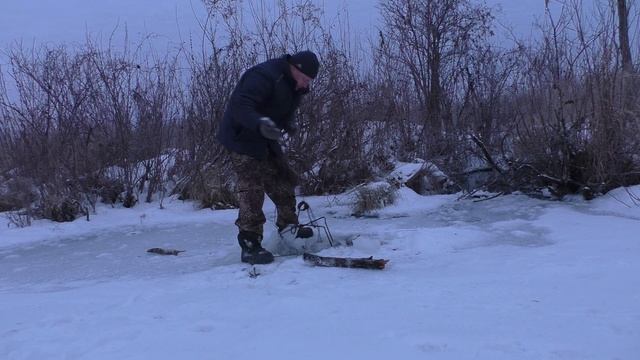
558,114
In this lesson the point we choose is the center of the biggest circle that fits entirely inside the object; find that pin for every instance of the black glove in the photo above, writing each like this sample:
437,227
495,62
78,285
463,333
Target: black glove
269,129
292,129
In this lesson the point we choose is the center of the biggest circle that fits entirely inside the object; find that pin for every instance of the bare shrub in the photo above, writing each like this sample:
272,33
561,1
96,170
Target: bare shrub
18,193
63,210
127,125
79,113
372,197
213,187
572,118
431,40
110,190
130,199
335,176
19,219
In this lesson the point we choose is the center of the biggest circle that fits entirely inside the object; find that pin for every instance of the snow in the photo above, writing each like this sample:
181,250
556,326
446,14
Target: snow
405,171
508,278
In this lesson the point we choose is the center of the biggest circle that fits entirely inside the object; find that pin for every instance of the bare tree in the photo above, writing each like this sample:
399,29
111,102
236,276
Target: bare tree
623,34
428,40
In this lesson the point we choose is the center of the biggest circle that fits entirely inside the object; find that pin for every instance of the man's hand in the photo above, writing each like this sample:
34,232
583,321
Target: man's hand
292,129
269,129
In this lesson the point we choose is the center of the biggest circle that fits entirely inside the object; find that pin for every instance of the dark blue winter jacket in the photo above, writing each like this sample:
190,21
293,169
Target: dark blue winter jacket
267,89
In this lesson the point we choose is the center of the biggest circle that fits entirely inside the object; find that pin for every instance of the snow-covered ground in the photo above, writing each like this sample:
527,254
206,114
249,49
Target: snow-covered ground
508,278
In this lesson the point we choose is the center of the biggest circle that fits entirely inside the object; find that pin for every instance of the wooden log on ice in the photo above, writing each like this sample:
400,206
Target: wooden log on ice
359,263
161,251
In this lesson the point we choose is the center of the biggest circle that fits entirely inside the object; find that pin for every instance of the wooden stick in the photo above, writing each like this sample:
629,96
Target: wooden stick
359,263
161,251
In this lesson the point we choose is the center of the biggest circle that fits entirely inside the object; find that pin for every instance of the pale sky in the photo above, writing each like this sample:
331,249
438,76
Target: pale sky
68,21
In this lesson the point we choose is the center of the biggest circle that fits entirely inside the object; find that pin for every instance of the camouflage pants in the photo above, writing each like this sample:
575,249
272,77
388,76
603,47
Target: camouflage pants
271,176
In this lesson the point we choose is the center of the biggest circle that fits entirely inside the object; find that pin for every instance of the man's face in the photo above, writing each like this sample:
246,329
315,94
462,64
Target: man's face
302,80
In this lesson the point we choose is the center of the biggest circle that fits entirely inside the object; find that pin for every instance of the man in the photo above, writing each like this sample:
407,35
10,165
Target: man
261,107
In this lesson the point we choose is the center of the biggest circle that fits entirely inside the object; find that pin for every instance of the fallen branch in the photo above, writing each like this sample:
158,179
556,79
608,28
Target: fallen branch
359,263
486,154
161,251
489,197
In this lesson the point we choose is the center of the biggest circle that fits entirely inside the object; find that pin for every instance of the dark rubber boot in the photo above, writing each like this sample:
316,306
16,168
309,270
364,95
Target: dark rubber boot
301,232
252,250
304,232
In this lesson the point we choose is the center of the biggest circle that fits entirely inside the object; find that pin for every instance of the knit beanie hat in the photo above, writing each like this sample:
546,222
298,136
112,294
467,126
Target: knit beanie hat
307,62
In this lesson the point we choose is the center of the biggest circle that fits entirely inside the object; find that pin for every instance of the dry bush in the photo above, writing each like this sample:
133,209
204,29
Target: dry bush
80,112
19,219
17,193
213,187
574,119
123,125
373,197
61,210
431,41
